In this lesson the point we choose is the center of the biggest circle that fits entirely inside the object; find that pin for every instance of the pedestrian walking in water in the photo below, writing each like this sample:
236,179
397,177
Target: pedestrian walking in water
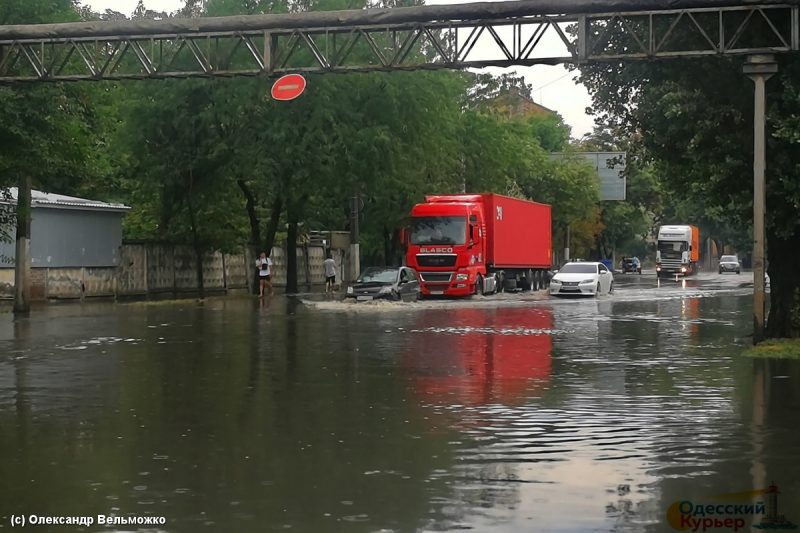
330,273
264,266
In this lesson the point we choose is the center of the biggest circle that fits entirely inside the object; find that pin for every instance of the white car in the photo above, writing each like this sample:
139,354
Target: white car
582,278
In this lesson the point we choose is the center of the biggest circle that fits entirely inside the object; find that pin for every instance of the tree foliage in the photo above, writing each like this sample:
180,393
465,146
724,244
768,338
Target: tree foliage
693,120
45,130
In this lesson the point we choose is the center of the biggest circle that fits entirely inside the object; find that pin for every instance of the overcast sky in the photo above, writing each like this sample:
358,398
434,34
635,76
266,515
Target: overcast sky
553,85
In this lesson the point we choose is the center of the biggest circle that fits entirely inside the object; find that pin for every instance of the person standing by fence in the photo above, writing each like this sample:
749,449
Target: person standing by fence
330,273
264,266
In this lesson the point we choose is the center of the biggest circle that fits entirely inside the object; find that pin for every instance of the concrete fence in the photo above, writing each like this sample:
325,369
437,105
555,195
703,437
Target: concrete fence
164,269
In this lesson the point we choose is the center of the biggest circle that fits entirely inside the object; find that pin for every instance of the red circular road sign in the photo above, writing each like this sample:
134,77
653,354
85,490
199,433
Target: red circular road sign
288,87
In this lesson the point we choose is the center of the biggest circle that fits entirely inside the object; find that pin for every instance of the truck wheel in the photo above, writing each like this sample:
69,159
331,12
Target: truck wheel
537,283
500,279
479,286
528,283
496,280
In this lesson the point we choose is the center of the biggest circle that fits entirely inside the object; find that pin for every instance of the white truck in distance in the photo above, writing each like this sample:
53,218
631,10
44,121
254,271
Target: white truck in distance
678,251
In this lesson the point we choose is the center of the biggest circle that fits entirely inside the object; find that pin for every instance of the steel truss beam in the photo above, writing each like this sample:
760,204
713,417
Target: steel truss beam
454,44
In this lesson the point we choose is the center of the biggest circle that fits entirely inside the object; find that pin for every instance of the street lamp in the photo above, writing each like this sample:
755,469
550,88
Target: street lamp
759,68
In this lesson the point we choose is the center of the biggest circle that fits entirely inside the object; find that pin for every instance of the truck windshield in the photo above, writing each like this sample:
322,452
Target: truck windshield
672,246
438,230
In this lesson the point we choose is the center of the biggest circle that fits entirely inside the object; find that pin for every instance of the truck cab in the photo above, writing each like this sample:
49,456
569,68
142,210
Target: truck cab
678,250
446,247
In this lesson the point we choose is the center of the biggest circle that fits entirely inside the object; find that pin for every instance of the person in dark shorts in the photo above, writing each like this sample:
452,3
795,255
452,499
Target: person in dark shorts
264,266
330,273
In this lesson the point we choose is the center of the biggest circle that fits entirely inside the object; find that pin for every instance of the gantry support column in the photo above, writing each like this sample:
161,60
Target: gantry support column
759,68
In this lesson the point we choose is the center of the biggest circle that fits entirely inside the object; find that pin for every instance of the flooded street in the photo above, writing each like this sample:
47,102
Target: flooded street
502,414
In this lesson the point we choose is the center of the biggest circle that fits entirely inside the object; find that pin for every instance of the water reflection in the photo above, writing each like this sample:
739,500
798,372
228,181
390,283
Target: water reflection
579,415
473,356
775,403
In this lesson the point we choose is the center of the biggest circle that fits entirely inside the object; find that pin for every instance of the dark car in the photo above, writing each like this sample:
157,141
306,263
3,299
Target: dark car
729,263
391,283
631,264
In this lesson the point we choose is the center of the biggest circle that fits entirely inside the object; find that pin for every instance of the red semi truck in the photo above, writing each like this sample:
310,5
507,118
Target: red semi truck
479,243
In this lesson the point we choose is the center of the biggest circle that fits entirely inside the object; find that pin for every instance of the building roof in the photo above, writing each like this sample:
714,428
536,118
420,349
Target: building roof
60,201
513,102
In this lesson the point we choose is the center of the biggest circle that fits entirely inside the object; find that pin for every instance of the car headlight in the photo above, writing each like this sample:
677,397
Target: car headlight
350,290
462,277
556,281
587,281
385,290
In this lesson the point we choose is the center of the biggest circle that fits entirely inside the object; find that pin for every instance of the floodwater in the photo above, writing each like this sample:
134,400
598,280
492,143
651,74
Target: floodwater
503,414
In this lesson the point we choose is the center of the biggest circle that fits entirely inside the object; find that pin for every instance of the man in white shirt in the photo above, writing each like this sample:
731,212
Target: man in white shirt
264,266
330,273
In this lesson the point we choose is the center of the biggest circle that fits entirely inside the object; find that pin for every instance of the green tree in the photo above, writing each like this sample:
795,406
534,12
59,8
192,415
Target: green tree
44,135
176,148
694,118
506,150
626,224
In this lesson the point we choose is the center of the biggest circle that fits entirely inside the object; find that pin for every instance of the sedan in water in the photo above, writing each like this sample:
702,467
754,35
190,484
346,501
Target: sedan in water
631,264
729,263
582,279
390,283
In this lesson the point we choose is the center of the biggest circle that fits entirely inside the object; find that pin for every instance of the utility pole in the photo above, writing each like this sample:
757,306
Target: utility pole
355,257
759,68
22,252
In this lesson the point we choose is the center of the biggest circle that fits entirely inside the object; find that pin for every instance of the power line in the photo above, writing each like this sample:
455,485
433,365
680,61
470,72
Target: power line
551,82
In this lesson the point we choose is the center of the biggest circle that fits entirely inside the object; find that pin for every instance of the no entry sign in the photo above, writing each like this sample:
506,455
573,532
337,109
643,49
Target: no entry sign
288,87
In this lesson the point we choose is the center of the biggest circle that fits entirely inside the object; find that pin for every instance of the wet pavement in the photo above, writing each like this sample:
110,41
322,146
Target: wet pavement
514,412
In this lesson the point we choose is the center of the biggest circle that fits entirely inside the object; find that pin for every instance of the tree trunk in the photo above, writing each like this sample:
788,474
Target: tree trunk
388,258
272,225
22,261
397,248
784,295
291,255
198,252
252,216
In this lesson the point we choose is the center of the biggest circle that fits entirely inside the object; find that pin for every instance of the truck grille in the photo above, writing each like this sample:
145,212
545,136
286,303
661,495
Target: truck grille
436,277
427,260
671,264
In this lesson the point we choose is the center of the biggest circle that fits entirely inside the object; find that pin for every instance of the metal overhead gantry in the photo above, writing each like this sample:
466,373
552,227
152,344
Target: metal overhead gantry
456,36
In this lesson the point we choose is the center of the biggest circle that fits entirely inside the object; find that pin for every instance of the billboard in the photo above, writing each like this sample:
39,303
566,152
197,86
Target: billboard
610,168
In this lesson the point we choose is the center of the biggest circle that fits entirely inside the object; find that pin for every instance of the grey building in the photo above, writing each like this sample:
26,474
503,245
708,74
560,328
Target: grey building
70,232
75,242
